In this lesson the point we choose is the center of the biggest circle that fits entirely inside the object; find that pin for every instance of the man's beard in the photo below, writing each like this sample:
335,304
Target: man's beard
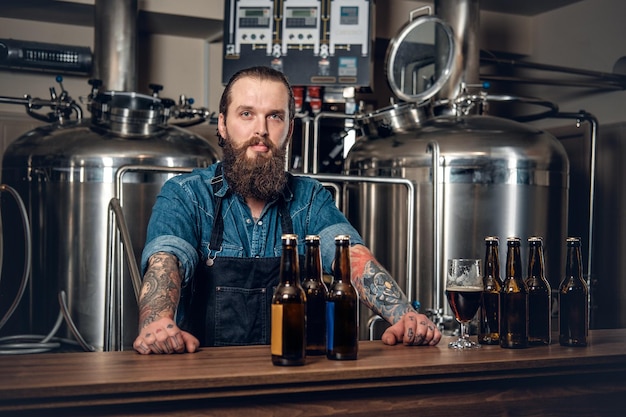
260,177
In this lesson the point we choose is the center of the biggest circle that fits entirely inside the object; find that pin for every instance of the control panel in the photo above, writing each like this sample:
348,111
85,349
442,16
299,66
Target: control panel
313,42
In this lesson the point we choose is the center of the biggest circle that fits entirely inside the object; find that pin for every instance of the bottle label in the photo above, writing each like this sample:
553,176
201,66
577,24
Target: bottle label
330,325
277,330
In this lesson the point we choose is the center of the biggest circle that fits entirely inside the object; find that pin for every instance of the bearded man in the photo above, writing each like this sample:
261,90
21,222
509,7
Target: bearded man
212,257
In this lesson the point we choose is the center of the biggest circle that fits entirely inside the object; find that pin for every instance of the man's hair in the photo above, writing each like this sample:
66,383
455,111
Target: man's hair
261,73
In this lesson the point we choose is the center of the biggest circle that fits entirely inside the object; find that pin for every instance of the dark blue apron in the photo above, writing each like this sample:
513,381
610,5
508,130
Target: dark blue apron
230,298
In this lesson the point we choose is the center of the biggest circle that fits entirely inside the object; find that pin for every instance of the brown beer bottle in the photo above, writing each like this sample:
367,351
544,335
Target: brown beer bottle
316,294
573,302
489,328
288,340
513,300
341,307
539,295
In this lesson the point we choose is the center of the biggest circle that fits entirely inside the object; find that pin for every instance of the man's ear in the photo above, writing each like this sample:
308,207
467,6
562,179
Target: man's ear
221,125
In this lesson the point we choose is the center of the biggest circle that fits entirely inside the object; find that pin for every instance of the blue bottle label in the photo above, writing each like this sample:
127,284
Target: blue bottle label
330,325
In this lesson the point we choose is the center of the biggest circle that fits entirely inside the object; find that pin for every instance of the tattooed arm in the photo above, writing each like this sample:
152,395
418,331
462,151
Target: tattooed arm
160,293
381,293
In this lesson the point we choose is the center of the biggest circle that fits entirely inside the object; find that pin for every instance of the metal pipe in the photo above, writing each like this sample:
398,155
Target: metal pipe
410,213
115,44
591,119
122,227
411,225
600,84
316,123
115,247
612,79
433,148
463,16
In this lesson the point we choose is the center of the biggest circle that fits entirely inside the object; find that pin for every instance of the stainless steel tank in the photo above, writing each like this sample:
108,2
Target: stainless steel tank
67,173
474,175
496,177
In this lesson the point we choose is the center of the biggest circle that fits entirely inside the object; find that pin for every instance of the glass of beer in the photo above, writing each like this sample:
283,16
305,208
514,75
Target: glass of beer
464,288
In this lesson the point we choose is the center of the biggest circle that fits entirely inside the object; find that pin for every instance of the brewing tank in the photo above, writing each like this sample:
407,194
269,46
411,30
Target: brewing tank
67,174
494,177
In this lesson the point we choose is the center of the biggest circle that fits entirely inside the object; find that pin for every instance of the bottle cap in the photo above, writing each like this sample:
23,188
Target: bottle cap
289,238
312,238
342,238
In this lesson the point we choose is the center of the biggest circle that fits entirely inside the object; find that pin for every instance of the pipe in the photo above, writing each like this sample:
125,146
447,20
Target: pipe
116,239
410,246
583,115
122,227
463,16
433,147
607,80
115,44
316,128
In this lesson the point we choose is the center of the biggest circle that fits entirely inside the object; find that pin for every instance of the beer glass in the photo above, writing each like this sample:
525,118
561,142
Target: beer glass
464,288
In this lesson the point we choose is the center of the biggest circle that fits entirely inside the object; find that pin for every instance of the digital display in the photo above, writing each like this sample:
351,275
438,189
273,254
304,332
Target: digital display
254,17
301,17
301,12
349,15
254,12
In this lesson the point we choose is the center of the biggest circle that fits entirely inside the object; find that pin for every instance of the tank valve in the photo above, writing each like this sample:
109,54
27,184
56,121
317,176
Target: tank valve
62,106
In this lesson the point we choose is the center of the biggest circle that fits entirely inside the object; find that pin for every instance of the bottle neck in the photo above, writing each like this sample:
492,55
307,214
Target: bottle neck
342,270
513,262
573,266
492,262
535,262
313,264
289,268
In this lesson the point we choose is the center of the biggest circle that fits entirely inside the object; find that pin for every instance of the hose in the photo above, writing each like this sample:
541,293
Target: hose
23,344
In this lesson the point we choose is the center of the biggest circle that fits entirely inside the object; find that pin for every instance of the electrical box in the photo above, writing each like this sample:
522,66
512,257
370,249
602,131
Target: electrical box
313,42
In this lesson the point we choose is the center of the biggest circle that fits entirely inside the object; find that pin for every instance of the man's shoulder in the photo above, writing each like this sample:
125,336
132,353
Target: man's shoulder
305,180
201,174
192,182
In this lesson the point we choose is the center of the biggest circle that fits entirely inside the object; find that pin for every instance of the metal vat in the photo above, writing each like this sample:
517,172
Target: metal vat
67,173
495,177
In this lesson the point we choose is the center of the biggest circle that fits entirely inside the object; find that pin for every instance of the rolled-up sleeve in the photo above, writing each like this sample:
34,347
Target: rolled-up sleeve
186,254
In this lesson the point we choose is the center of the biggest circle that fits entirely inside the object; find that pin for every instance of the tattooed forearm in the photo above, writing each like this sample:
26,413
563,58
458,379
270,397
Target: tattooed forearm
377,289
161,289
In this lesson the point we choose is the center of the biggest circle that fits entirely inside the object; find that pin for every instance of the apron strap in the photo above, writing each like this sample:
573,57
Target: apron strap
215,243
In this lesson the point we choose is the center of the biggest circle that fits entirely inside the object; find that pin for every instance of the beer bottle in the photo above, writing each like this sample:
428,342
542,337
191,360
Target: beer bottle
539,295
489,326
316,293
341,306
513,300
573,302
288,338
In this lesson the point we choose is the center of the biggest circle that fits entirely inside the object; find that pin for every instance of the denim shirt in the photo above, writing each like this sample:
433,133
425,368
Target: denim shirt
182,221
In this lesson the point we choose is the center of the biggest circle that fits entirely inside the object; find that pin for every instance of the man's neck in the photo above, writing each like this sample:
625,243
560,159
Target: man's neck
256,206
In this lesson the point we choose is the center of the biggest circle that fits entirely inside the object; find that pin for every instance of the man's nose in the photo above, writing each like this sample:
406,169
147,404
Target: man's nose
261,129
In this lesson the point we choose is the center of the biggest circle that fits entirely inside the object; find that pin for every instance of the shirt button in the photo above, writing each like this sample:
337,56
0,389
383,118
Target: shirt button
260,223
248,221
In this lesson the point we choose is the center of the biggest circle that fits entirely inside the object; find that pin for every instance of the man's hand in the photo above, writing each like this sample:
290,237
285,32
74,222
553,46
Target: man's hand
412,329
164,336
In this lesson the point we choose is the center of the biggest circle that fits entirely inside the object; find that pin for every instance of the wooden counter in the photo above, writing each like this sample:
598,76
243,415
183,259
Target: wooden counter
385,380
